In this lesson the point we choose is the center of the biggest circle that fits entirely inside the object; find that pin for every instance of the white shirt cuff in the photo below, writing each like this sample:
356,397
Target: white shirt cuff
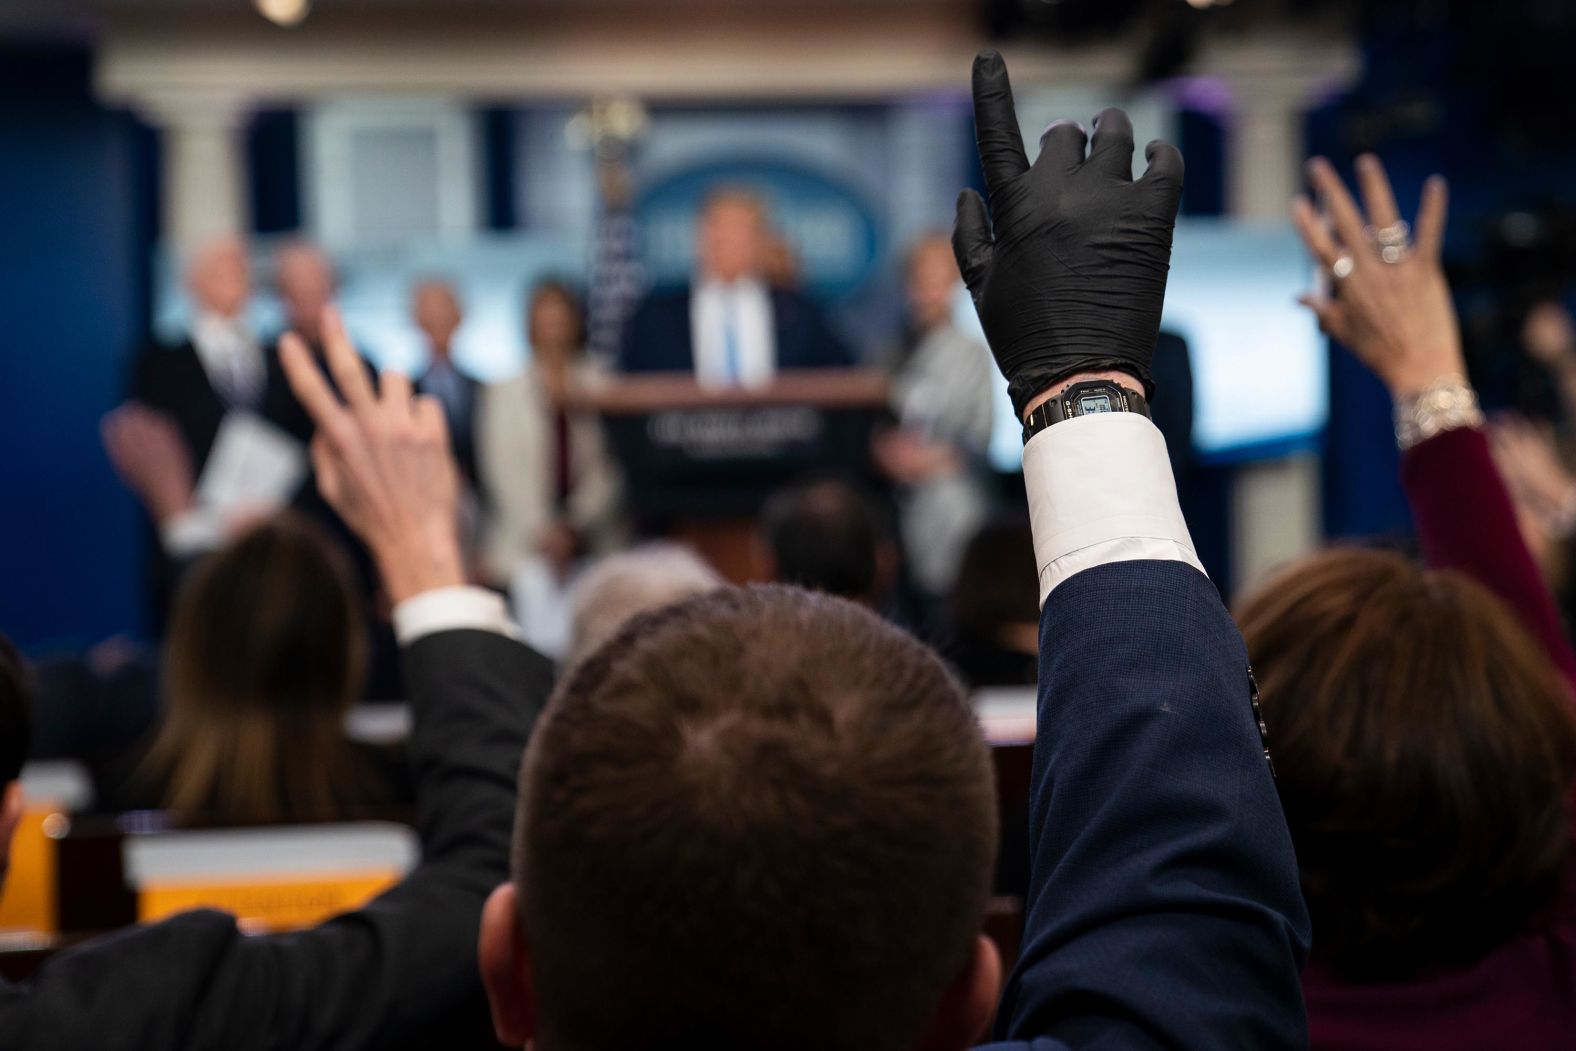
191,533
451,609
1100,490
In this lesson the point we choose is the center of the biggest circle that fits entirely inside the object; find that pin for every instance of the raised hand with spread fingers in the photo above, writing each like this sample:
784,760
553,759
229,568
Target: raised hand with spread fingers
1068,270
383,463
1390,303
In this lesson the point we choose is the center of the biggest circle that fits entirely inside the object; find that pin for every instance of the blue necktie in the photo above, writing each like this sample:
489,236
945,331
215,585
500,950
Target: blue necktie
730,341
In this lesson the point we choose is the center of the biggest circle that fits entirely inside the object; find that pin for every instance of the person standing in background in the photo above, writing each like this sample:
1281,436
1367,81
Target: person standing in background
730,327
307,283
219,365
218,369
544,464
435,307
942,398
305,279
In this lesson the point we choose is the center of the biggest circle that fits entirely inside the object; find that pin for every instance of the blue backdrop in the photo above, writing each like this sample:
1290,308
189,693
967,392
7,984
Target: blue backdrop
74,208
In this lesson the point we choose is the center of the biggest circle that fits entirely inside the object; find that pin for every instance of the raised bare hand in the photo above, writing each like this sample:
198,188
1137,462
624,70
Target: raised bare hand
1391,304
383,462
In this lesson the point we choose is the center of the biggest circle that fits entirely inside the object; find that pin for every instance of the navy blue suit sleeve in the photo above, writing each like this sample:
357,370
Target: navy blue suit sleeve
657,335
1164,907
804,339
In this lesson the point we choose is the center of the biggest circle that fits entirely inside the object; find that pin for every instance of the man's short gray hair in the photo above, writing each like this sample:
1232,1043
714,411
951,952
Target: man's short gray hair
620,586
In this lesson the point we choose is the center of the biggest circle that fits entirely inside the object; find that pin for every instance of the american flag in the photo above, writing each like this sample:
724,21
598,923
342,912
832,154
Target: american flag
617,279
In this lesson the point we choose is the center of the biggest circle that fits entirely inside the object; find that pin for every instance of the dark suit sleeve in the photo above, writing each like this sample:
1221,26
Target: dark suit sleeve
401,972
1164,908
805,339
641,349
1172,406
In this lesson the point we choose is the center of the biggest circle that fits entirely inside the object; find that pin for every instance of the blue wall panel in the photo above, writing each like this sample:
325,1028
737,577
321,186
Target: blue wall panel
74,212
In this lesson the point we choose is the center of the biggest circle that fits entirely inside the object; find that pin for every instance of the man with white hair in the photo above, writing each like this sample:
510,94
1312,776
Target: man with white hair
219,365
620,586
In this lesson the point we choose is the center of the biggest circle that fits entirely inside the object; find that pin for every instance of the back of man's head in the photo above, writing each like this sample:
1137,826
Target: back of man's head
760,818
824,535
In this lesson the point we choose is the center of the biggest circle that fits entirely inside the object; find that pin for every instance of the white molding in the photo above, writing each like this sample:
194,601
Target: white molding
329,133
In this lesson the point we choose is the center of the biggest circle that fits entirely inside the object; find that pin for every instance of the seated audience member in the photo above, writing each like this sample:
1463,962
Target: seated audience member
400,972
1425,750
150,458
826,535
265,655
16,736
1424,739
618,587
554,489
730,327
92,706
765,817
435,307
995,609
943,390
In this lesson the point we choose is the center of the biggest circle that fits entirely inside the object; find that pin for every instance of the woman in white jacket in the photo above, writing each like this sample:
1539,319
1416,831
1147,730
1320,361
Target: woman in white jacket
554,489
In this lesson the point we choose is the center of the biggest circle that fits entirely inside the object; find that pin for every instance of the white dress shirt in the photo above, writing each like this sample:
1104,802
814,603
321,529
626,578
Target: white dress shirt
231,357
1100,490
733,333
451,609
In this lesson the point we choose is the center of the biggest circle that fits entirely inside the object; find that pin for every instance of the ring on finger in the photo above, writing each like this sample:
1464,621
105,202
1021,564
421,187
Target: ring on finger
1341,269
1397,233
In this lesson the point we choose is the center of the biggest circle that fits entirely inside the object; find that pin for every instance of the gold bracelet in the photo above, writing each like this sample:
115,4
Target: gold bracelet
1444,405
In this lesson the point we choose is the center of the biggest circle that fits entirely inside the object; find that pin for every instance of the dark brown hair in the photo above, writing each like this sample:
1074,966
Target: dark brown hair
557,288
266,652
997,582
760,818
1425,748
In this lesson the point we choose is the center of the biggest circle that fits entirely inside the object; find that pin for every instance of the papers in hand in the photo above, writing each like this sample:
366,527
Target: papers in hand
254,466
254,469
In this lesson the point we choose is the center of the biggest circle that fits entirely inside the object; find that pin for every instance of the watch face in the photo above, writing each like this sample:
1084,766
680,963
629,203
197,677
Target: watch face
1089,403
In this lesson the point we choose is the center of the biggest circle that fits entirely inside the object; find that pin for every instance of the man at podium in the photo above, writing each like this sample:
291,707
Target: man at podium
729,328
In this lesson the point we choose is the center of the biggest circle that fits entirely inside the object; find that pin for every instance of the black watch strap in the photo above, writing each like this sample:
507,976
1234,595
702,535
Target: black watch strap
1089,398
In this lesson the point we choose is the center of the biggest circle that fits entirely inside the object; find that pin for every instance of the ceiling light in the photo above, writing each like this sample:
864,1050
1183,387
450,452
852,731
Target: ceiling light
285,13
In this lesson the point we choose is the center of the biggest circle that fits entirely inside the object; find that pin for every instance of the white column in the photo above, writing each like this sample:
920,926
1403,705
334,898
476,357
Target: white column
205,191
1275,506
1264,148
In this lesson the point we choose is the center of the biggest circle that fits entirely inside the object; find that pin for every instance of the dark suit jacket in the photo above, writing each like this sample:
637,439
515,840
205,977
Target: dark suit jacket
462,429
1164,908
400,972
1172,406
657,337
171,379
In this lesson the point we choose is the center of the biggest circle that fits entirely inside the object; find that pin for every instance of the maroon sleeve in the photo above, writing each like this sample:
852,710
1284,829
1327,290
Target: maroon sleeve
1465,521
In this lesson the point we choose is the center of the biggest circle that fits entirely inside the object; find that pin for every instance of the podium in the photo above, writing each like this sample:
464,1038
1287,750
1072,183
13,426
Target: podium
699,462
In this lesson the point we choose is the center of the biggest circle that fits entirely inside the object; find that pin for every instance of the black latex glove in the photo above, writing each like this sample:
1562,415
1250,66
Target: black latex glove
1075,275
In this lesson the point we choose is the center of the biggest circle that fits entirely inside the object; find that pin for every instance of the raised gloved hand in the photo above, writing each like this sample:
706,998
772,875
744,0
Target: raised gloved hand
1074,277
